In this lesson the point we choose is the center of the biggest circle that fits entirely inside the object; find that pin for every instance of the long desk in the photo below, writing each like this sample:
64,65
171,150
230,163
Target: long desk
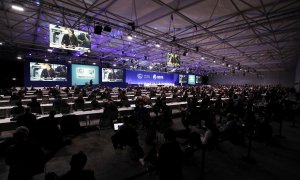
8,125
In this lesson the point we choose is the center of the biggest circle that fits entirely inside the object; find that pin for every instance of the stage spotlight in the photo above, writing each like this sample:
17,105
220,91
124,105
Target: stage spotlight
107,28
98,29
157,45
19,57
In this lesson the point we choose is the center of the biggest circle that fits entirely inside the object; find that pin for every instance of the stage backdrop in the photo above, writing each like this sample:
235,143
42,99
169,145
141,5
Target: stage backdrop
143,77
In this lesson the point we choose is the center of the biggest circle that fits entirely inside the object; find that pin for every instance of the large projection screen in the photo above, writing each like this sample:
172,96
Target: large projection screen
69,39
112,75
84,74
47,72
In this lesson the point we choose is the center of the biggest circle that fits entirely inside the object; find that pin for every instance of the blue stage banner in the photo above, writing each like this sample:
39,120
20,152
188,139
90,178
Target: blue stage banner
144,77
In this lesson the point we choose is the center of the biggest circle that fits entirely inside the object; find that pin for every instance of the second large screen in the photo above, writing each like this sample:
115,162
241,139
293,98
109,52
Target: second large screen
112,75
84,74
70,39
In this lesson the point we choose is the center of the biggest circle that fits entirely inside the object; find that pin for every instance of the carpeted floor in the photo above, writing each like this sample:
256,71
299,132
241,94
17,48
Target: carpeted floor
281,161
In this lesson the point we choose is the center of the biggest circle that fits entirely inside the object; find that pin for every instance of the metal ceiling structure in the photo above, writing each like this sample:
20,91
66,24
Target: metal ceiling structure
217,35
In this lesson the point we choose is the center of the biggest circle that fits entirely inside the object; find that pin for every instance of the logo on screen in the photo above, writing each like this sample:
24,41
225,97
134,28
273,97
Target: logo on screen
154,76
140,76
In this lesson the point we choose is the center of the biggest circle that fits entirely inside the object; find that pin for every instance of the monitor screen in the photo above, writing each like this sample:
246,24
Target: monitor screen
112,75
68,38
84,74
117,126
182,78
173,60
191,79
198,79
47,72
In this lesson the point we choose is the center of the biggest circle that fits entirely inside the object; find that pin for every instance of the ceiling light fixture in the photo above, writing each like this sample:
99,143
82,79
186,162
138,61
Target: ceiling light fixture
129,37
17,7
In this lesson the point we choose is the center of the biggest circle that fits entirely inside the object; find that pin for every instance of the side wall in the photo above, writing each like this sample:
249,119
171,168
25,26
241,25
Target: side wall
283,78
297,77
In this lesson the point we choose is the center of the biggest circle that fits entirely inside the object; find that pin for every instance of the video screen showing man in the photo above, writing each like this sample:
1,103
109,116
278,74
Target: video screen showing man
69,40
112,75
47,72
182,78
173,59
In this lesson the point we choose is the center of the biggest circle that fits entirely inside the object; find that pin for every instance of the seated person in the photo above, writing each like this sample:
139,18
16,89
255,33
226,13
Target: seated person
47,133
124,99
95,103
27,119
79,102
138,92
35,106
170,158
77,171
60,105
14,98
25,159
110,113
91,96
17,110
127,136
105,94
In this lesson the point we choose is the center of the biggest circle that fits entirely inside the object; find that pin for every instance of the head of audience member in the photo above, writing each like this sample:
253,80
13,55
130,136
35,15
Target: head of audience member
169,135
78,161
21,134
19,104
33,99
27,110
52,114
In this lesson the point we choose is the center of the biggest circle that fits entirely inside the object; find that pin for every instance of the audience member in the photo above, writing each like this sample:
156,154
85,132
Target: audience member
25,158
77,171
